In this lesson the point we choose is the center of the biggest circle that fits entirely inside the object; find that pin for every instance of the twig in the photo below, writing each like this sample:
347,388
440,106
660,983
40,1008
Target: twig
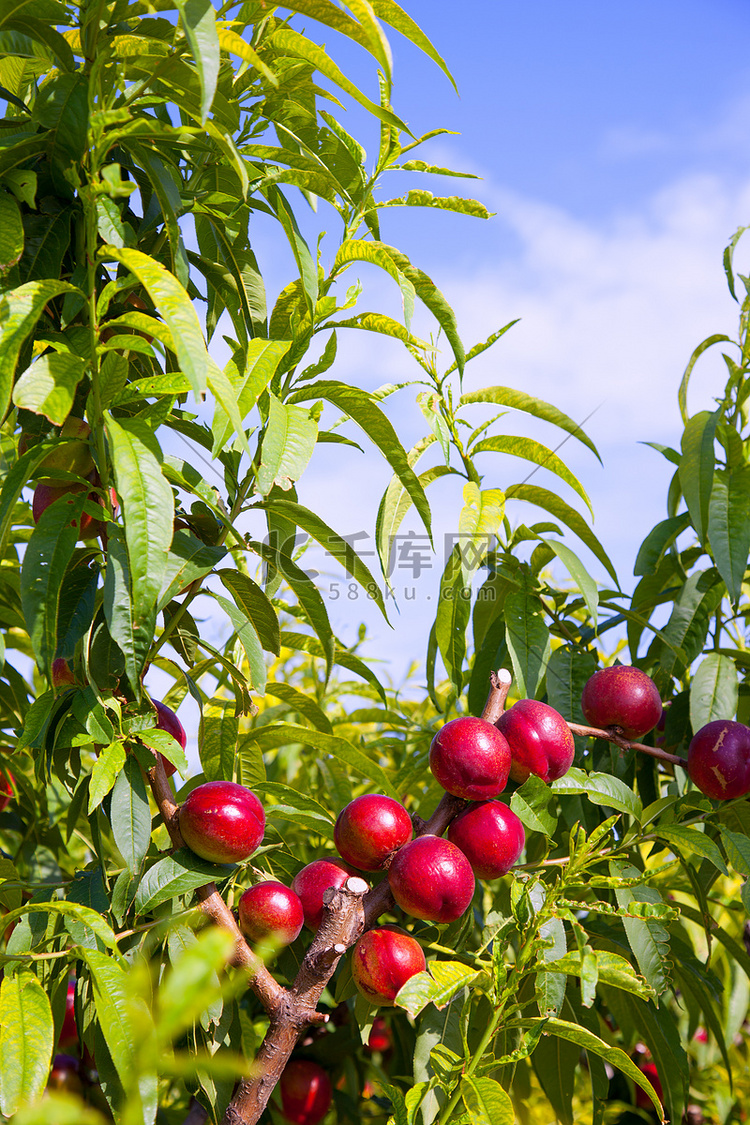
610,735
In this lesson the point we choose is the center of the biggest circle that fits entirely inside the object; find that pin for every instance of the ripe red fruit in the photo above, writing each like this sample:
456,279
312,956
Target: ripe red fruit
46,494
312,882
168,721
62,675
6,789
642,1100
491,837
222,822
431,878
380,1038
539,738
69,1031
470,758
623,697
384,959
719,759
305,1092
271,912
370,829
65,1074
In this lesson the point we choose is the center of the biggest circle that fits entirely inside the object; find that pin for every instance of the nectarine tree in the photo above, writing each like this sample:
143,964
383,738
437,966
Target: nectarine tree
550,895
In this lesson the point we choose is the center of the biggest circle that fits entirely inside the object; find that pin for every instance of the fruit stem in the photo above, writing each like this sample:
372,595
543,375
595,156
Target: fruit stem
625,744
500,682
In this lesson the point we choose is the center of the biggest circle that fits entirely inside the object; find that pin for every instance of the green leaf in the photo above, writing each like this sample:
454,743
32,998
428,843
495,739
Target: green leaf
286,734
27,1034
361,407
19,311
250,642
714,691
692,840
296,807
147,505
437,986
174,875
217,739
574,1033
342,656
696,470
538,454
431,296
288,445
556,507
367,32
334,544
132,633
452,617
164,743
519,400
391,13
479,520
729,527
613,970
106,768
198,18
305,705
529,803
192,984
259,363
176,309
377,254
528,640
48,387
601,789
187,560
75,910
682,393
568,670
657,541
48,554
252,601
419,197
555,1062
579,574
130,815
689,620
647,937
11,232
487,1101
737,848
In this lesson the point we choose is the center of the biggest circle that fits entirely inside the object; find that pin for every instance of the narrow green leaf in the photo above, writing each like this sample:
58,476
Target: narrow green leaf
729,527
519,400
217,739
528,640
176,309
106,768
132,633
601,789
361,408
697,467
577,571
714,691
647,937
682,393
377,254
657,541
479,520
538,454
250,641
487,1101
189,558
436,986
20,309
305,705
27,1034
529,803
198,18
288,445
259,363
613,970
420,197
174,875
11,232
452,617
48,387
75,910
692,840
130,815
567,515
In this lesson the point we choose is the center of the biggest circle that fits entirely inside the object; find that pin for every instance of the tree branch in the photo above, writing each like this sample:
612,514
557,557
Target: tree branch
610,734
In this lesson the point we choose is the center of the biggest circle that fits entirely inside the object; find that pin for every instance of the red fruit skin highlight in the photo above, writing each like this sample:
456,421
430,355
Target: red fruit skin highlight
383,960
168,721
642,1100
539,738
431,878
491,837
312,882
370,829
622,696
305,1092
222,822
6,790
470,758
719,759
270,911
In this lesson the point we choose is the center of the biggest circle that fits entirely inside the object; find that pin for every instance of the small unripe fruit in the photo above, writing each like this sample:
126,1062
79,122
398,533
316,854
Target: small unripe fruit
719,759
622,696
270,912
6,789
431,878
312,882
380,1038
539,738
470,758
383,960
491,837
370,829
69,1031
168,721
305,1092
222,822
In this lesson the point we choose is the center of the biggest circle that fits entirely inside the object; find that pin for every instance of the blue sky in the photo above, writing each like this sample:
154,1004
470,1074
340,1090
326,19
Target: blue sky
612,142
